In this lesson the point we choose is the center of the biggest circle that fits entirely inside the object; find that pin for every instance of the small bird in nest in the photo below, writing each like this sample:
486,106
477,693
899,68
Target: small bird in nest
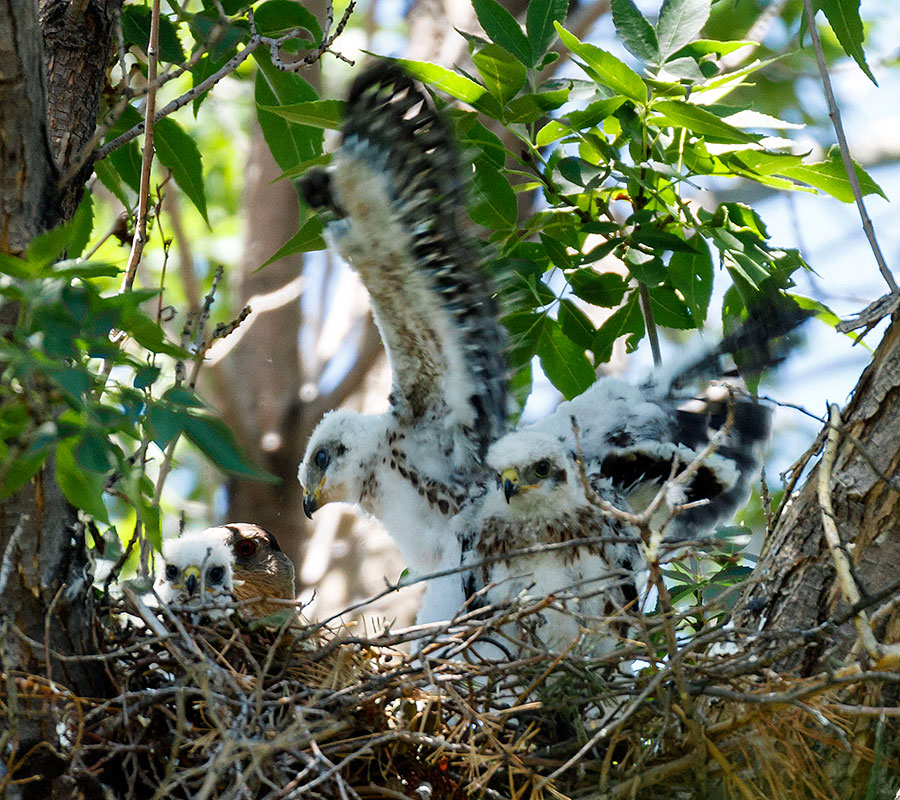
207,571
197,578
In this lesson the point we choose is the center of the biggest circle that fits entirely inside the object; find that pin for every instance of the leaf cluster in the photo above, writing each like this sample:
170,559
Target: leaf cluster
84,383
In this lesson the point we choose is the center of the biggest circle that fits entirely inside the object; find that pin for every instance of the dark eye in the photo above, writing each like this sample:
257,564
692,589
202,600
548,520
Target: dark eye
215,574
171,572
322,458
245,548
542,468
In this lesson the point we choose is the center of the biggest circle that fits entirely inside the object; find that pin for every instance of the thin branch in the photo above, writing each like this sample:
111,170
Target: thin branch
140,228
835,115
179,102
841,563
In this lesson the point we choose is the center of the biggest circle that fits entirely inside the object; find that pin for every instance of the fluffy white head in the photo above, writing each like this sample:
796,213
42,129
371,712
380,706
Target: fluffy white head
538,476
339,455
197,573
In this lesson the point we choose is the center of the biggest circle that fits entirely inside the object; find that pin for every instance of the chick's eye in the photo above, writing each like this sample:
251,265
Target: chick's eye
171,572
542,468
245,548
321,458
215,574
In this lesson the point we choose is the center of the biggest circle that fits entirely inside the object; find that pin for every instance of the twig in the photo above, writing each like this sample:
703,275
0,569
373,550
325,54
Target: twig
140,227
132,133
849,589
650,323
835,115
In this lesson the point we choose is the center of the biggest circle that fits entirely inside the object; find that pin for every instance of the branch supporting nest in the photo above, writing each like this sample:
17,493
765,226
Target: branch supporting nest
882,655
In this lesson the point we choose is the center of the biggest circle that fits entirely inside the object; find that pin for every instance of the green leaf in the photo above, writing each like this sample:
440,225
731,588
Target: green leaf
563,361
645,267
520,385
679,23
145,377
831,177
605,290
82,225
127,163
326,114
634,31
669,310
575,324
455,85
607,69
178,151
595,113
487,142
691,273
495,202
702,122
136,30
624,321
551,132
503,29
109,177
204,26
164,424
21,470
275,17
83,489
92,452
502,74
524,332
843,16
556,250
216,441
148,334
45,249
291,144
531,107
539,19
308,238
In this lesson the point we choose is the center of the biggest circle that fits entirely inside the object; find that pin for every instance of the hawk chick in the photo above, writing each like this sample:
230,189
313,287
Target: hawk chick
197,577
540,500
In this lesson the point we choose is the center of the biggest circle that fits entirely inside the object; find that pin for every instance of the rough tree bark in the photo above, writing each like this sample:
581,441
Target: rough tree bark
49,95
794,590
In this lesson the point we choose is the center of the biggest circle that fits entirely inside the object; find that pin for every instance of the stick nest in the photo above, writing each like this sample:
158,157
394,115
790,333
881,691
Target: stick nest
306,711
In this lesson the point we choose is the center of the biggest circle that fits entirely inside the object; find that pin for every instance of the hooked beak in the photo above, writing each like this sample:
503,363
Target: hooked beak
510,481
310,503
192,579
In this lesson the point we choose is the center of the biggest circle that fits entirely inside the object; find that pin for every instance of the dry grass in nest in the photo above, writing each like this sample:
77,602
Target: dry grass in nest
226,712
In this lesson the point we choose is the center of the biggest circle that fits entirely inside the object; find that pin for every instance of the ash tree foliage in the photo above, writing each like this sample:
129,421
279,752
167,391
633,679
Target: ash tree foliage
91,376
610,153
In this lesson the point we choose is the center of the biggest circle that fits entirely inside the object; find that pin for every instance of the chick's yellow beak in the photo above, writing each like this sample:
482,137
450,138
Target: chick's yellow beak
311,499
192,578
310,503
510,480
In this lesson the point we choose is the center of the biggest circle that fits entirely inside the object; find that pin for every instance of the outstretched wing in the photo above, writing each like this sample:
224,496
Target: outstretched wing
637,437
396,196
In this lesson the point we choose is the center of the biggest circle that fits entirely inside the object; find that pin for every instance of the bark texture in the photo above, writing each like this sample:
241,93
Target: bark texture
27,172
795,587
795,596
79,37
45,590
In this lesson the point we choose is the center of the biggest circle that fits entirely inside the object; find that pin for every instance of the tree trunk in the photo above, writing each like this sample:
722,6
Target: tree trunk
795,592
45,589
264,376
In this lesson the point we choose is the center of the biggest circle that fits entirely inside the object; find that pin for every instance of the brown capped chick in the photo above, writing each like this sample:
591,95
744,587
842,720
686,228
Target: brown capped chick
261,569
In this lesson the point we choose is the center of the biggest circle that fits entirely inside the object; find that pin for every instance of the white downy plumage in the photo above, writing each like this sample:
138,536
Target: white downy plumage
196,577
395,196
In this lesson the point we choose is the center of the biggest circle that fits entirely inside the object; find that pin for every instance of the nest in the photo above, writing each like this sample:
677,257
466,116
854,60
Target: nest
308,711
